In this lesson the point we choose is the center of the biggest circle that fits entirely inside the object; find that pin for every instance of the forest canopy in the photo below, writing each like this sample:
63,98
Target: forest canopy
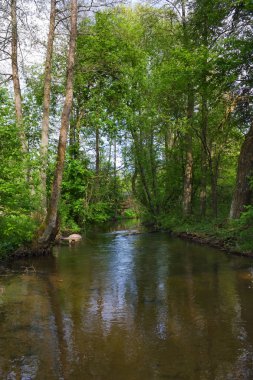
141,111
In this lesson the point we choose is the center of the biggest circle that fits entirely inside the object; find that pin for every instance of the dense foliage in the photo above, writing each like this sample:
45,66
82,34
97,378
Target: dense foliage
17,203
162,105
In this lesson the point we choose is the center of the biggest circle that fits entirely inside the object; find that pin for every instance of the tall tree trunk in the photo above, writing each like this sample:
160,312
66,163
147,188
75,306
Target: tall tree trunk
204,122
74,134
97,151
214,179
187,193
203,157
204,145
15,75
187,196
243,193
115,177
140,169
49,232
46,105
153,171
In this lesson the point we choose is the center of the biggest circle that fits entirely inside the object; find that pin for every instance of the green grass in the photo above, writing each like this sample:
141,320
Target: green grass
237,235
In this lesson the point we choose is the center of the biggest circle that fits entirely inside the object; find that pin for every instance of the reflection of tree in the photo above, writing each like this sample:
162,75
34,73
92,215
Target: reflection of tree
242,326
60,350
30,349
141,306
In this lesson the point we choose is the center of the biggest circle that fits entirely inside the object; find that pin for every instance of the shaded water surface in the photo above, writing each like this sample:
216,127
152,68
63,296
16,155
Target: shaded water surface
128,307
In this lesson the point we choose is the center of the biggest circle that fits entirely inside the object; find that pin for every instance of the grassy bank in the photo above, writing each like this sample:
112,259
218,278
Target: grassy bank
231,236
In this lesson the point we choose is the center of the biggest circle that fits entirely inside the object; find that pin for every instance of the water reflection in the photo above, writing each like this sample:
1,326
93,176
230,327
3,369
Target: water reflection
128,307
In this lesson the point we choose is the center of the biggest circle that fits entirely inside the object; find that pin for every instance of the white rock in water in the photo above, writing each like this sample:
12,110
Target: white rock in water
74,237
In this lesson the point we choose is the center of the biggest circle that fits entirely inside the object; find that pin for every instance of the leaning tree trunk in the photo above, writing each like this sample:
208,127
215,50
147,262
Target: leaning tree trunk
15,75
46,105
49,231
243,193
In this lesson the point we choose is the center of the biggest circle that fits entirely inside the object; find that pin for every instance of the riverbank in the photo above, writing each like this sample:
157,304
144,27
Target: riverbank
228,236
225,245
232,238
25,250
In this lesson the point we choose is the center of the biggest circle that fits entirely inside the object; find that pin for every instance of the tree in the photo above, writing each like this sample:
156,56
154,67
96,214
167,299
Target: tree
15,74
50,228
187,192
46,104
243,188
239,57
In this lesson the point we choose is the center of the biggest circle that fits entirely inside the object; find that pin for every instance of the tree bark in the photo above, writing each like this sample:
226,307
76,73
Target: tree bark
187,195
115,177
214,171
139,159
49,231
97,151
74,133
243,193
15,75
203,157
187,192
46,105
204,146
204,121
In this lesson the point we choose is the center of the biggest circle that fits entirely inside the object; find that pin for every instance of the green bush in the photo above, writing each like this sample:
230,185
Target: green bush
17,204
17,229
98,212
129,213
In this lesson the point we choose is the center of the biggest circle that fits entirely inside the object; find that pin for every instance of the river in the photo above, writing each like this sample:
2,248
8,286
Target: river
127,307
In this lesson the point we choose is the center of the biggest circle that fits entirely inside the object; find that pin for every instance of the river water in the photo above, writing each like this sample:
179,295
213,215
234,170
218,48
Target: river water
127,307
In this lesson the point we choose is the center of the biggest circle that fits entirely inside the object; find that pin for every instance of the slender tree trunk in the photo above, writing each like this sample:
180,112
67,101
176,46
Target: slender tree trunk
72,137
204,123
243,193
115,177
133,180
74,134
153,171
15,76
46,105
214,193
203,156
49,232
168,146
187,193
140,169
97,151
203,182
114,157
110,155
204,146
187,196
77,135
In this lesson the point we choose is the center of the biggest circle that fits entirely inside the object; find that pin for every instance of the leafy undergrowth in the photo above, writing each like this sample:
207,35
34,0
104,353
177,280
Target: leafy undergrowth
17,230
233,235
